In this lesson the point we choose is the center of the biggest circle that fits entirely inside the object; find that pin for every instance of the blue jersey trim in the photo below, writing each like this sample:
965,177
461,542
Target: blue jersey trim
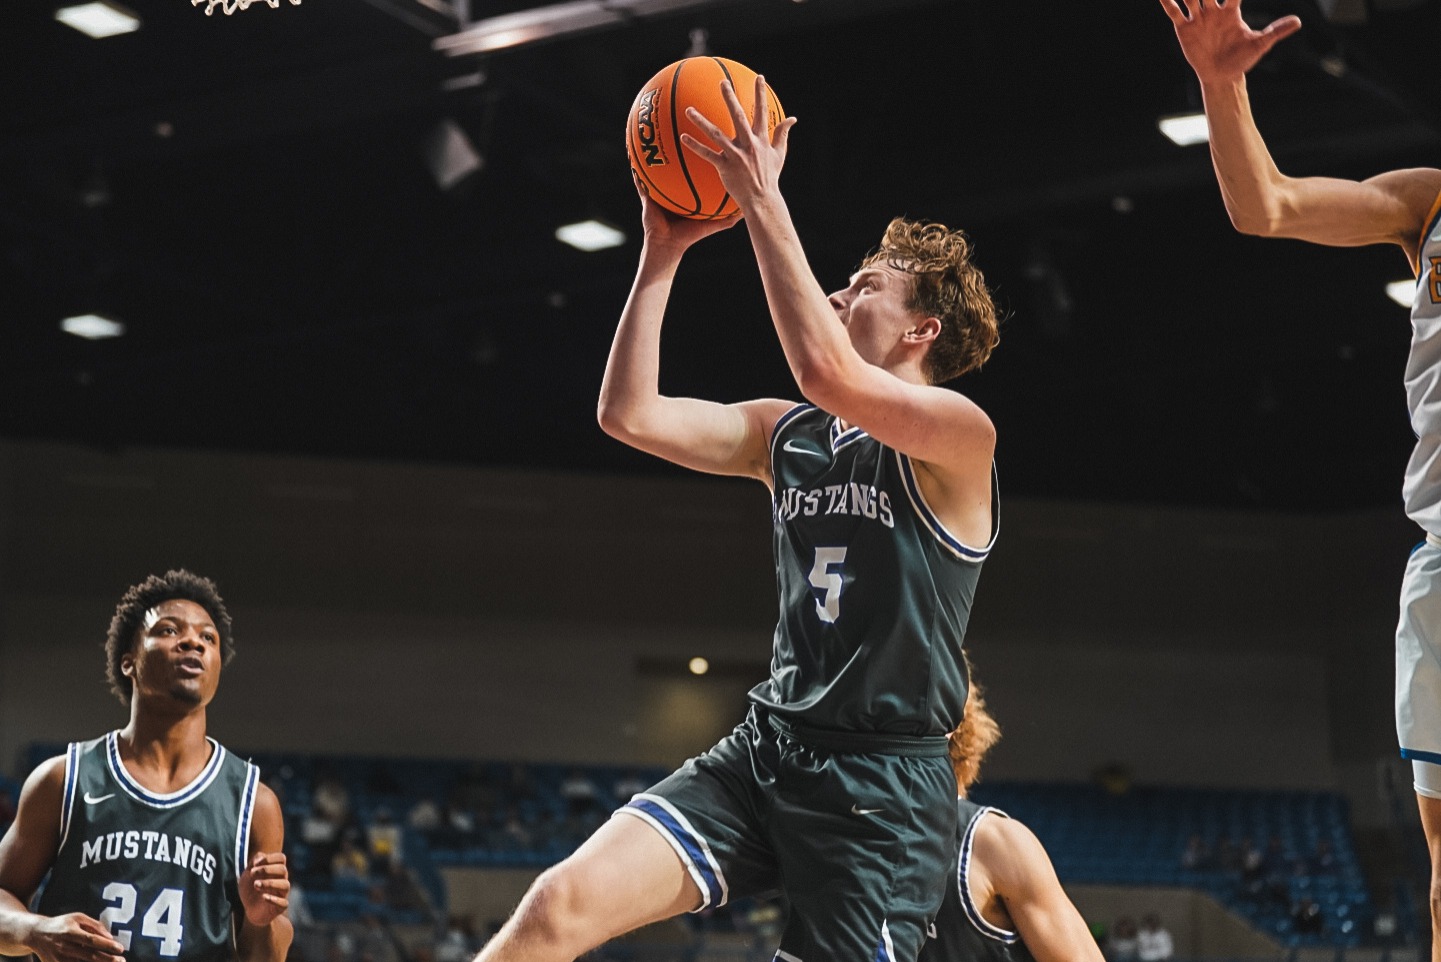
840,439
885,949
247,808
688,844
963,883
1416,755
173,799
933,523
67,796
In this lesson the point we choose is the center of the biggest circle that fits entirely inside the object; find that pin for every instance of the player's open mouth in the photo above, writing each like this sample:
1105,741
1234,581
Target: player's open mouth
191,667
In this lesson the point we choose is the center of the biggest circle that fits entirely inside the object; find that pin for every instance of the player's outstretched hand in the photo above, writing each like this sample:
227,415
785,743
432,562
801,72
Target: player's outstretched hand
75,937
265,888
664,229
749,163
1217,43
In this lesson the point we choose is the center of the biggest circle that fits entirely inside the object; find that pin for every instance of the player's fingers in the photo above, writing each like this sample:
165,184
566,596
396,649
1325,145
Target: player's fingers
760,108
782,136
283,903
739,120
1280,30
704,150
1174,11
704,123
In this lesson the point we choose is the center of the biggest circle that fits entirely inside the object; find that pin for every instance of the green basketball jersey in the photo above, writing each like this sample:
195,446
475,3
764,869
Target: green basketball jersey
874,591
161,871
961,933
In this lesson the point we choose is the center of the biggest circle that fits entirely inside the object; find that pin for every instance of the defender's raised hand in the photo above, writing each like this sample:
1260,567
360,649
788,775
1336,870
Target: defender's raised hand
750,162
1217,42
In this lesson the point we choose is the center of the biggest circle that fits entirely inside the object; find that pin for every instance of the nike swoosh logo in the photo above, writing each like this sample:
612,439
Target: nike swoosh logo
863,811
791,447
93,800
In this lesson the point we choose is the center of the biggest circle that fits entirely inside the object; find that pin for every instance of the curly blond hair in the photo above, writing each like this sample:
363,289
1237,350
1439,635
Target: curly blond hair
977,733
947,286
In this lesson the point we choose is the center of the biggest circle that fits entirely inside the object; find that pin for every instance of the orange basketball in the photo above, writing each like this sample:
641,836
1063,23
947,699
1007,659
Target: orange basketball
675,177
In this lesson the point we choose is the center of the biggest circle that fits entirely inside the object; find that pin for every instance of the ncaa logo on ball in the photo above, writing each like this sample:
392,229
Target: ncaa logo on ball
645,123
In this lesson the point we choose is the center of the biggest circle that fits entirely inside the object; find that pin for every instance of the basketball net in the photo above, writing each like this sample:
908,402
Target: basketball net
228,7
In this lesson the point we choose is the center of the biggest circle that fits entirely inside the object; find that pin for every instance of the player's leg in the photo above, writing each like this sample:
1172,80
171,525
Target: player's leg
1430,805
625,876
865,843
690,842
1418,703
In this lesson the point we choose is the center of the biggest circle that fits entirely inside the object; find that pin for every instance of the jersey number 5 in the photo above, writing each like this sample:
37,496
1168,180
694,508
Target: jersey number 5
161,920
826,576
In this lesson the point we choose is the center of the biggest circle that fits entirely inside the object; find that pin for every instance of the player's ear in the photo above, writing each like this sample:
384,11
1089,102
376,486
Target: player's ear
928,329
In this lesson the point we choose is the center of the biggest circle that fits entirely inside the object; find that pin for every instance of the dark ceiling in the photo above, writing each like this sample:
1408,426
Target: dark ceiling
249,193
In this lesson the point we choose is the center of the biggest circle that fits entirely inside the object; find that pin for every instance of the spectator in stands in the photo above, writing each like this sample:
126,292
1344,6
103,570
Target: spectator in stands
514,834
1322,860
458,943
385,840
326,821
330,800
1153,942
476,790
1228,856
1197,856
349,862
375,943
1276,870
579,792
459,828
1253,873
1123,945
628,786
424,816
1306,916
519,787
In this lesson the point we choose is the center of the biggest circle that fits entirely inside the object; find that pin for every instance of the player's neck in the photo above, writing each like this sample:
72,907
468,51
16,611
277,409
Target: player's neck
164,751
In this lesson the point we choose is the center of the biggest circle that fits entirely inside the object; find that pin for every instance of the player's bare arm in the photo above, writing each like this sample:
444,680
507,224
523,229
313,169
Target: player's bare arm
948,433
1022,879
1221,48
704,435
264,933
26,853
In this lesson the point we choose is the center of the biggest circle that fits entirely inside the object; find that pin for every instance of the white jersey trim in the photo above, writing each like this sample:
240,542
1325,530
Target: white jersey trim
716,894
247,811
932,523
963,883
67,795
170,799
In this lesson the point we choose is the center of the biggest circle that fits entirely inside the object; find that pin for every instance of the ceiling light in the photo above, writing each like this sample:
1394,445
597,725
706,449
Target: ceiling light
699,666
100,19
1185,129
589,235
92,327
1402,292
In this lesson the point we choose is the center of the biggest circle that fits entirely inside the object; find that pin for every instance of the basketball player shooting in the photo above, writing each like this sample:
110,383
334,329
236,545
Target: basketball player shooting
159,844
837,785
1401,207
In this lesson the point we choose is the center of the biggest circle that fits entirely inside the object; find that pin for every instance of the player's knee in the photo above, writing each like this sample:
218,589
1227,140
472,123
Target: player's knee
553,911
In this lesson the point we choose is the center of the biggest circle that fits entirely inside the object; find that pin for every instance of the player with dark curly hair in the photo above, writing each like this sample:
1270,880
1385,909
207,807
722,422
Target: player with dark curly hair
836,786
159,843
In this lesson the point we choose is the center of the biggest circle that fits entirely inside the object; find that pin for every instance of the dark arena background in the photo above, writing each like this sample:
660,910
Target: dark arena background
355,382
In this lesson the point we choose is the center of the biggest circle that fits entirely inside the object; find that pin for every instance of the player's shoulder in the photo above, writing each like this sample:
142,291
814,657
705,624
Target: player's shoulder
46,783
999,837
